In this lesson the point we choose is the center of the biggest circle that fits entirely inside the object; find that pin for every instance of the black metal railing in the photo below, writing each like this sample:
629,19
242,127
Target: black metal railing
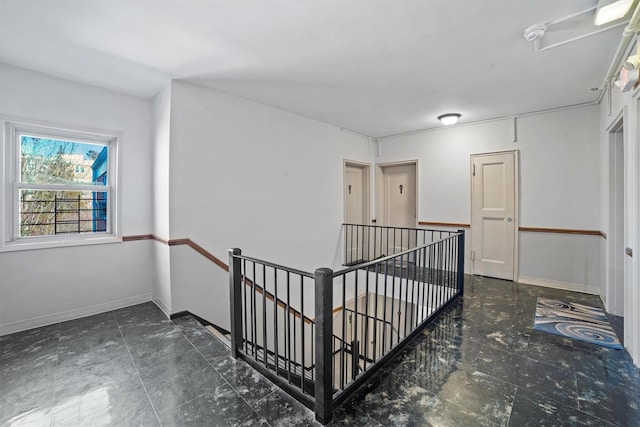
364,243
55,214
269,326
361,316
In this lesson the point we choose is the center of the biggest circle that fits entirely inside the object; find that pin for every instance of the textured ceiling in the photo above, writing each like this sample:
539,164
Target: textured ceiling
377,67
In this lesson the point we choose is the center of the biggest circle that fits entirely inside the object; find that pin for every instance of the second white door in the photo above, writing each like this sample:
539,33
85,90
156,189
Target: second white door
398,204
494,214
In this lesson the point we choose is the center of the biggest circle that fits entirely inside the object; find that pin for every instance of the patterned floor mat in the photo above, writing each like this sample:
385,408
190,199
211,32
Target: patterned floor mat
576,321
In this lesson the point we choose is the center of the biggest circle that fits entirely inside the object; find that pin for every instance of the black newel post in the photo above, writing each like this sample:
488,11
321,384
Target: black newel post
235,292
323,337
460,277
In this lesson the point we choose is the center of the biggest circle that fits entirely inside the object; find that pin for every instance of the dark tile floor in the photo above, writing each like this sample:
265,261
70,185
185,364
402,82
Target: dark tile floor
480,363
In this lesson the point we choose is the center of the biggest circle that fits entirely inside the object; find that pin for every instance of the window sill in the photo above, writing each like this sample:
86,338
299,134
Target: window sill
27,245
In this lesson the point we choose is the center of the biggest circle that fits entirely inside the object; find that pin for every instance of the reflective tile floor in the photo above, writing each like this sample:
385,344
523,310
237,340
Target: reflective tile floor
480,363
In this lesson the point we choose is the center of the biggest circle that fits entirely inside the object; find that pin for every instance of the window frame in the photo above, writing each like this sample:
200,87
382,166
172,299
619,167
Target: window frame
12,184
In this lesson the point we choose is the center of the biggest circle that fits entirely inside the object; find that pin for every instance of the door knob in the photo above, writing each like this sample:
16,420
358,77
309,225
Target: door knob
509,219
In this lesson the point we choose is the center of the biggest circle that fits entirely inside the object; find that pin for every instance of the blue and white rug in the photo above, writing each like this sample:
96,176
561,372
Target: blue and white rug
576,321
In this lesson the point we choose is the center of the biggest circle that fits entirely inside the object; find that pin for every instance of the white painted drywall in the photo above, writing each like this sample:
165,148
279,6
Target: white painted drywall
43,286
201,287
559,185
161,177
46,286
251,176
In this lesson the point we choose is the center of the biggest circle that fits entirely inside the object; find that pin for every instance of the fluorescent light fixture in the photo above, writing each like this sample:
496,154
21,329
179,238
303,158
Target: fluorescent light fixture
611,10
449,118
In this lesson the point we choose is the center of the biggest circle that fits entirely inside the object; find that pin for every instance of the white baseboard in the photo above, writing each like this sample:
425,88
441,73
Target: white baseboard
567,286
50,319
162,305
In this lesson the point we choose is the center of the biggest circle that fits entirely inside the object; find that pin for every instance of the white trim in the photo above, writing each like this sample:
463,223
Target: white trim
617,126
366,192
10,185
489,120
516,209
66,241
380,217
49,319
567,286
162,305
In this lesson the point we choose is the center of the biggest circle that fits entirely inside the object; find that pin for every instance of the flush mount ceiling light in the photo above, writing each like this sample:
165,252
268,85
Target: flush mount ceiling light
449,118
611,10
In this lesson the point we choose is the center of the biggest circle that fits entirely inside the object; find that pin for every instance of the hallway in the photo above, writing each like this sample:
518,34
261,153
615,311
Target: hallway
480,363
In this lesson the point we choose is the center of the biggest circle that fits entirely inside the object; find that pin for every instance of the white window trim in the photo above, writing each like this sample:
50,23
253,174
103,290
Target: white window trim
10,239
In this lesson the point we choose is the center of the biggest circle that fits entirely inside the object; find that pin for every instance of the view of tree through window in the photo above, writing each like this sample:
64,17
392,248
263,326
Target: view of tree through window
58,178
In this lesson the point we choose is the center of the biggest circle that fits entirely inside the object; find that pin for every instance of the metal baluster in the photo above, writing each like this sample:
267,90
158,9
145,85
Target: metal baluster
275,319
302,334
355,317
288,323
425,283
375,323
253,313
375,242
460,278
244,304
264,315
358,244
406,294
431,279
366,318
384,311
393,300
344,331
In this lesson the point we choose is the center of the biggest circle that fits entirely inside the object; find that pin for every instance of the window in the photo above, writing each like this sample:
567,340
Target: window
61,186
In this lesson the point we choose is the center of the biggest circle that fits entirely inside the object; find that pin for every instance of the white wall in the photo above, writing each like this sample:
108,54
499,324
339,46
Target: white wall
161,181
559,186
246,175
38,287
201,287
250,176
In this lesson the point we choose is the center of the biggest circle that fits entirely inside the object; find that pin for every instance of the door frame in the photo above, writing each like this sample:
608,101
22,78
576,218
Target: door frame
516,210
366,188
613,241
380,205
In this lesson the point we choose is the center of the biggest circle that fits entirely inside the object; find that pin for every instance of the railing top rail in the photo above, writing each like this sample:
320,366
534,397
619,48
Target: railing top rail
400,228
277,266
390,257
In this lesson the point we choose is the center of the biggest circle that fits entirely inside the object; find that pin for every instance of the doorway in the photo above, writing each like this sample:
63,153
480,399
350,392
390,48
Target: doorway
398,202
356,211
615,240
494,214
397,194
356,192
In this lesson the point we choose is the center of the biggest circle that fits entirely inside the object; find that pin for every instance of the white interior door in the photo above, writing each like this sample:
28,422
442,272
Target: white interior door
400,191
399,203
356,211
494,214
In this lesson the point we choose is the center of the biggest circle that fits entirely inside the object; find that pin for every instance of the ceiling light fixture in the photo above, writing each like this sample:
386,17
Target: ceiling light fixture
535,32
449,118
611,10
